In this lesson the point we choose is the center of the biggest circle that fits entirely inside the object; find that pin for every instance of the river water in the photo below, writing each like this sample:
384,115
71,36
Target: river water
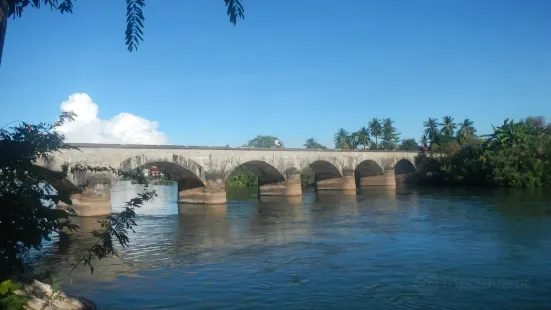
379,249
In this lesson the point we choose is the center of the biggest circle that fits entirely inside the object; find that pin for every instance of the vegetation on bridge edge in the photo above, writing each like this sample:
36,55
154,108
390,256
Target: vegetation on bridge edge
515,154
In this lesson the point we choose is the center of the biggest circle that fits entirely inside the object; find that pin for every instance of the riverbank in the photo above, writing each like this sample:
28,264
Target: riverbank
37,295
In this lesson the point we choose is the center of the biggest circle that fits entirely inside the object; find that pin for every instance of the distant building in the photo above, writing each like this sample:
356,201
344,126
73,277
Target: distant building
154,171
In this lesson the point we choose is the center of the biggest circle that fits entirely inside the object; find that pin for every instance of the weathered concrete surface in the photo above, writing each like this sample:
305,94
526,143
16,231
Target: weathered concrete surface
91,205
195,168
96,198
290,187
214,192
347,182
387,180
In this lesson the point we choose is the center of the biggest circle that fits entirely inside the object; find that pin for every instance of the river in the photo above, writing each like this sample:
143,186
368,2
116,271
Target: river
380,249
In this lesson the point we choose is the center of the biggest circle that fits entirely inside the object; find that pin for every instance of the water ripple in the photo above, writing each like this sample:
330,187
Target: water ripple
420,249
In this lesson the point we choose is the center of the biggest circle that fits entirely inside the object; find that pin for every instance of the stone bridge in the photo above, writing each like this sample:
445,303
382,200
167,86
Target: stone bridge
201,171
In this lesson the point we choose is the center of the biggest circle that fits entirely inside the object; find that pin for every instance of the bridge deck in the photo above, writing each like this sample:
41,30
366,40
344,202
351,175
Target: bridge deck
185,147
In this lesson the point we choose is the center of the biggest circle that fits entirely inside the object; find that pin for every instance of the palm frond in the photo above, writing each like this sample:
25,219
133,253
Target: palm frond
235,10
134,23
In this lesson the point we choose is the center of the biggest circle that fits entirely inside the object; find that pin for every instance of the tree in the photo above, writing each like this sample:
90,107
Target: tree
408,145
342,139
263,142
134,16
540,122
375,128
30,209
424,141
431,129
390,135
512,134
362,137
466,131
448,126
536,121
312,143
354,140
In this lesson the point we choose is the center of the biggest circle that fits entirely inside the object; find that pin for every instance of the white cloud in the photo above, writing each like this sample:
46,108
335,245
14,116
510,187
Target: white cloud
125,128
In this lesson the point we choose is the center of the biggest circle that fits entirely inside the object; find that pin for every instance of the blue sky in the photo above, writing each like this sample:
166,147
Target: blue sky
294,68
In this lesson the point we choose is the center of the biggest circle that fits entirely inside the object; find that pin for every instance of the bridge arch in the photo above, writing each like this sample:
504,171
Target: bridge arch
188,173
405,172
404,166
324,170
266,173
366,169
64,184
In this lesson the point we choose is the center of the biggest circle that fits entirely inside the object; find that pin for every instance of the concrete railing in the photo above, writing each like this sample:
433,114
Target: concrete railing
244,148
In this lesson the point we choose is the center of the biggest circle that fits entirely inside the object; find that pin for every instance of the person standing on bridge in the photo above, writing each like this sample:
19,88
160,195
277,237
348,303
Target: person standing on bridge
277,143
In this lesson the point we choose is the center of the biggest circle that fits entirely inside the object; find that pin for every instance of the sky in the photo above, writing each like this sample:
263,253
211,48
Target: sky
294,69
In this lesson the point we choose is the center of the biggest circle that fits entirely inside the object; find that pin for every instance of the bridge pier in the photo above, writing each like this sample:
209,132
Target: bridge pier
289,187
406,178
94,201
346,183
388,179
213,193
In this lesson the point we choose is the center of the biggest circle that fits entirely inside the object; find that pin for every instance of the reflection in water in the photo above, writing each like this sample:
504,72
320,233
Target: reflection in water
281,200
326,250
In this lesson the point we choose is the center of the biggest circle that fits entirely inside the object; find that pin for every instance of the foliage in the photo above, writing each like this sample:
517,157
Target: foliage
445,144
343,140
263,142
448,126
361,138
307,178
424,141
408,145
134,16
30,211
9,286
242,177
390,136
376,129
8,300
516,154
431,129
312,143
467,132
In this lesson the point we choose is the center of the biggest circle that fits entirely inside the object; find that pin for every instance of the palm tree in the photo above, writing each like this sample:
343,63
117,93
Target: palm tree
424,141
390,135
354,139
466,131
431,129
511,134
363,137
376,130
342,139
312,143
448,126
